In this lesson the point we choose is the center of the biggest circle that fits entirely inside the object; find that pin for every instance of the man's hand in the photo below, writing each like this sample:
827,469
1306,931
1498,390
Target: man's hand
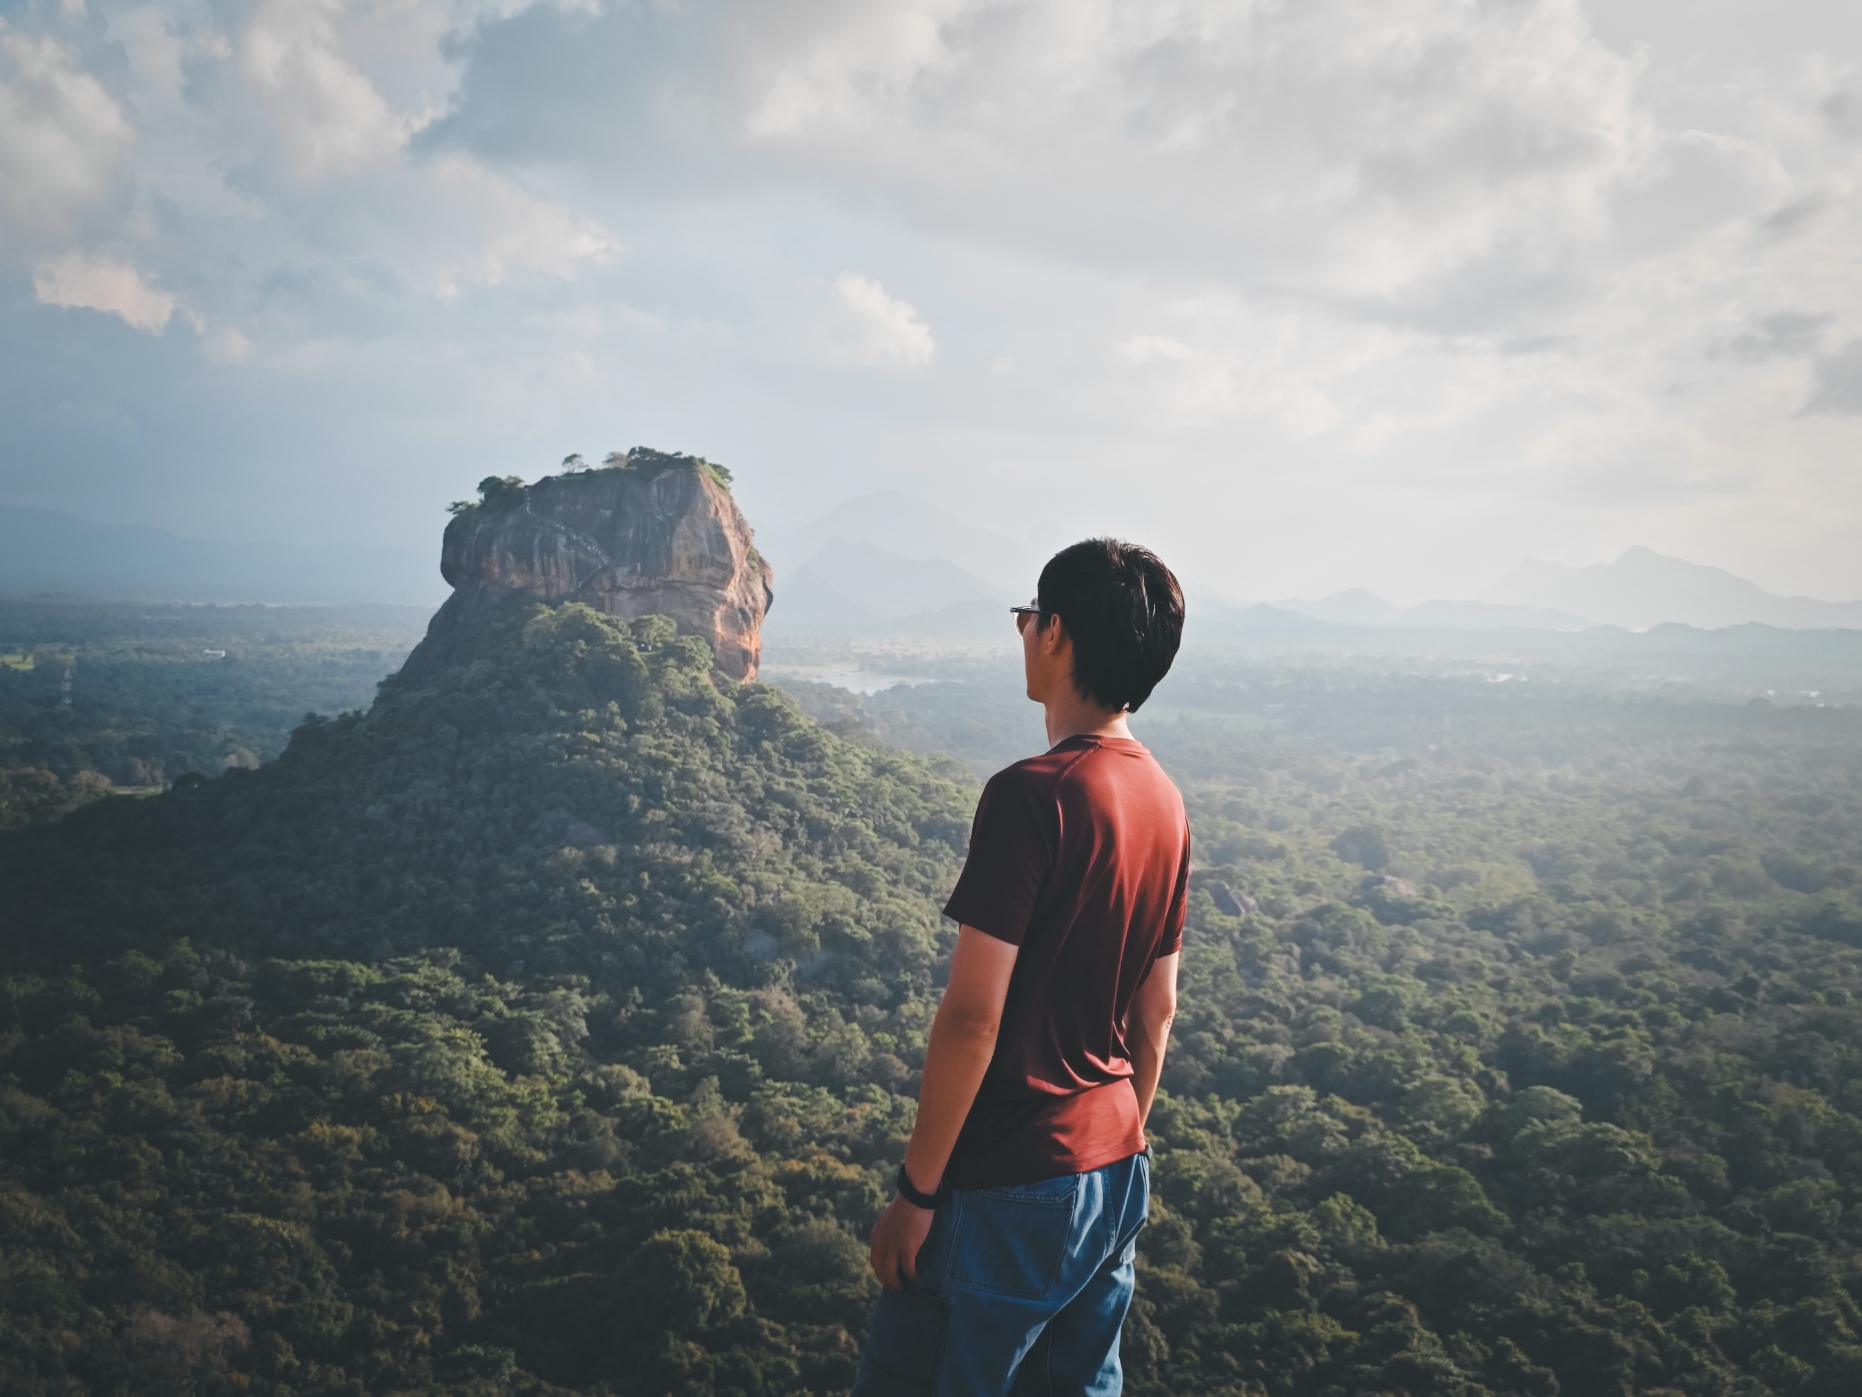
897,1236
1153,1010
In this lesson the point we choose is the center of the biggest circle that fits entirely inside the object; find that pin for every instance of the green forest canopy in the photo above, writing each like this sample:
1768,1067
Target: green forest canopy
553,1025
99,696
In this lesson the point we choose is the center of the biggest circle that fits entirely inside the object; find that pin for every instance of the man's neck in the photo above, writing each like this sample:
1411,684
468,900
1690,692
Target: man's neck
1069,715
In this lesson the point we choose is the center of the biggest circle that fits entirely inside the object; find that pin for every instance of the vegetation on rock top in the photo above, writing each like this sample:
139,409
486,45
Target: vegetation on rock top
497,493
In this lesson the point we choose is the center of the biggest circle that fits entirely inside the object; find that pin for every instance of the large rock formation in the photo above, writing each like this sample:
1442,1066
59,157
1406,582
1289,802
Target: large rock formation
653,534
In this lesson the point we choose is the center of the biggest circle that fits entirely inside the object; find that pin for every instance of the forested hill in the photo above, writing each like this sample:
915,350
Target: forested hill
572,795
554,1026
322,1076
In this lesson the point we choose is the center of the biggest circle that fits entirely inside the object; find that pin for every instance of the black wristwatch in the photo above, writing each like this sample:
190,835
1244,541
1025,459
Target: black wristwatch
911,1193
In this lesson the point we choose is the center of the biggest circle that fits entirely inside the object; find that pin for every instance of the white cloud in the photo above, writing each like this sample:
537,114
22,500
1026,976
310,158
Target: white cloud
1359,146
332,118
154,53
273,169
1228,360
63,137
878,327
1150,349
83,282
875,56
227,346
508,231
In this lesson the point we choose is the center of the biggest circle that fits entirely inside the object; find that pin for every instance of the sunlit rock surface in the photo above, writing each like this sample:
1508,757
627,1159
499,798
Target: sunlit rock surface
658,535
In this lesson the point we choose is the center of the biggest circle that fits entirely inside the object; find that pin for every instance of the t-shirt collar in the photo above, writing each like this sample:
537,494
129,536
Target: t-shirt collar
1087,739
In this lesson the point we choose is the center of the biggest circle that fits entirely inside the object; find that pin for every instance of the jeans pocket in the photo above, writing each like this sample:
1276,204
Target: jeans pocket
905,1346
1012,1241
1129,1253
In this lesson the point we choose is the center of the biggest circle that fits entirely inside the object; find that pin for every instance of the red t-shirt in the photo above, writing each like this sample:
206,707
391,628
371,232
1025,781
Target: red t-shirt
1081,857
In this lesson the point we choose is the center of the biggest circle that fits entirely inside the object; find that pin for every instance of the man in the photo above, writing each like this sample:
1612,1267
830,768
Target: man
1007,1253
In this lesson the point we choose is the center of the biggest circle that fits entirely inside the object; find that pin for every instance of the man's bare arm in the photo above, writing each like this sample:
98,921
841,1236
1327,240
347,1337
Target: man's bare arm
1153,1010
963,1039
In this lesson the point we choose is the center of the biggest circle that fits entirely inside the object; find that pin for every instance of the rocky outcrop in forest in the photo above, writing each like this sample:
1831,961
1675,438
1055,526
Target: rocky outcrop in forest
651,533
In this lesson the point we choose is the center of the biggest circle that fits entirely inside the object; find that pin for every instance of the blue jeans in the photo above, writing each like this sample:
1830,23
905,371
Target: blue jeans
1020,1290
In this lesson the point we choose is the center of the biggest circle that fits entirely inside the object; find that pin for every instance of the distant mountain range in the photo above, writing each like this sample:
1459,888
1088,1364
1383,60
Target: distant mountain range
912,530
1639,590
886,563
1643,588
1359,607
1795,663
43,550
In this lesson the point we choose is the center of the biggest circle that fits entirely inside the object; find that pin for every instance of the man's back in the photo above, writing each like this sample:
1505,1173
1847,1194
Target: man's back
1009,1245
1081,858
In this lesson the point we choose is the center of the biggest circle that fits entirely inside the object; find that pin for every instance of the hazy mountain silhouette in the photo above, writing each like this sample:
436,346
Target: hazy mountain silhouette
1359,607
891,586
888,563
859,588
911,529
1644,588
874,561
43,550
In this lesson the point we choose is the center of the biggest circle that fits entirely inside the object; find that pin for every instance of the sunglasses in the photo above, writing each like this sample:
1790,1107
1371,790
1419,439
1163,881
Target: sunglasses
1021,615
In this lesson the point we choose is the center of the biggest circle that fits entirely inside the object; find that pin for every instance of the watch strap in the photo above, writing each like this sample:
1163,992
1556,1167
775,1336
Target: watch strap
912,1194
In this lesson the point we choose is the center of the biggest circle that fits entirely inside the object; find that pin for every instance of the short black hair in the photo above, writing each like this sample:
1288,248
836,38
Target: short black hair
1123,610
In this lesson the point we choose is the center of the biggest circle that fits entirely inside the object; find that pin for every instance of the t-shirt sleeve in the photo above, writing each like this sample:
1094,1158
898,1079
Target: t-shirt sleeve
1179,906
1013,844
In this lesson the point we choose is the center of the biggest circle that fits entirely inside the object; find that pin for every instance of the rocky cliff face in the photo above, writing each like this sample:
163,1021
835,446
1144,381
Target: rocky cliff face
656,535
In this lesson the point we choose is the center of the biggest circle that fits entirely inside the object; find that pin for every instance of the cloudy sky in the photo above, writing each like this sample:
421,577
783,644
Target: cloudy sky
1308,293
